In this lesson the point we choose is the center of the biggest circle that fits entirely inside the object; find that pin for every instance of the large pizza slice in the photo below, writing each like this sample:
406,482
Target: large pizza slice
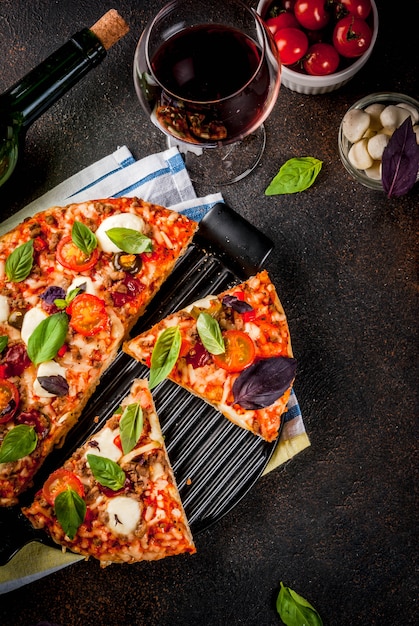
73,282
233,350
116,498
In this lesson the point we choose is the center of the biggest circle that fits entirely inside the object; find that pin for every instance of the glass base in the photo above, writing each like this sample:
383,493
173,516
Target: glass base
223,165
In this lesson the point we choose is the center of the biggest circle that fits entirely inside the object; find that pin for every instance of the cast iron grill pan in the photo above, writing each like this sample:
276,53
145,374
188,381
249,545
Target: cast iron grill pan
215,462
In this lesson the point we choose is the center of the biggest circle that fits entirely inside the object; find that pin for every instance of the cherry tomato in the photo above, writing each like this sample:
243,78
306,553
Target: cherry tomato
292,44
239,351
9,400
286,19
360,8
88,314
117,442
312,14
321,59
352,36
60,481
71,257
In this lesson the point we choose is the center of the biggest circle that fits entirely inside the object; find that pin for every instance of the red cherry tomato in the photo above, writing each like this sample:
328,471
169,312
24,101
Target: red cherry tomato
88,314
312,14
117,442
60,481
9,400
360,8
352,36
286,19
71,257
239,351
321,59
292,44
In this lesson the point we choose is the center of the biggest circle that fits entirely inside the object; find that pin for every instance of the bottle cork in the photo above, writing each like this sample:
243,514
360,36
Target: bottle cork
110,28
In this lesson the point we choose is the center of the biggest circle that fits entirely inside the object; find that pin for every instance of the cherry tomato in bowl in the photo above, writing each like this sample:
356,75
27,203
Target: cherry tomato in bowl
312,14
321,59
286,19
360,8
352,36
239,352
292,44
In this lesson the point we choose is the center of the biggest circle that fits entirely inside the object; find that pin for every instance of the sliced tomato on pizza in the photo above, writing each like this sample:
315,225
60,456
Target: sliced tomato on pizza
233,350
73,282
116,498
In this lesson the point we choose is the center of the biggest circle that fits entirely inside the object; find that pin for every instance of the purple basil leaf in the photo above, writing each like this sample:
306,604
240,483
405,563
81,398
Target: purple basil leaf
400,163
240,306
265,381
54,384
53,293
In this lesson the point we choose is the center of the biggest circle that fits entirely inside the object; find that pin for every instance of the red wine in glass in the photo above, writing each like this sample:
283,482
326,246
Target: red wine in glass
206,67
205,81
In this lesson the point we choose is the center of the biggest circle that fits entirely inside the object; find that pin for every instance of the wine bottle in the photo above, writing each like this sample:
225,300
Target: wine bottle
36,92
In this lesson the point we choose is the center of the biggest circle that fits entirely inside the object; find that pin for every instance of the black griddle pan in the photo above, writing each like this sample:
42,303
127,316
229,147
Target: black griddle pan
215,462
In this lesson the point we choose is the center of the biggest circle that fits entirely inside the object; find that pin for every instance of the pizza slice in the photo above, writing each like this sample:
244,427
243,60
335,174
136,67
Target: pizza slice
116,498
233,350
73,282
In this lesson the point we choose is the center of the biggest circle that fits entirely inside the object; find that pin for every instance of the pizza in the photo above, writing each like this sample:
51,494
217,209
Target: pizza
116,498
73,282
233,350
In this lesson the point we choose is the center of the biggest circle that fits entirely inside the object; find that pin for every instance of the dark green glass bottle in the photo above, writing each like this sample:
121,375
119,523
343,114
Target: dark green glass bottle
30,97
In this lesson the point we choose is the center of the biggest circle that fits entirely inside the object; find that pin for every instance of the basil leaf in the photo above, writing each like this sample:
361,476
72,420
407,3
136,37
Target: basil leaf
241,306
209,332
19,262
263,382
107,472
62,303
400,162
3,342
295,175
19,442
130,240
47,338
294,610
131,426
165,354
83,237
70,510
55,384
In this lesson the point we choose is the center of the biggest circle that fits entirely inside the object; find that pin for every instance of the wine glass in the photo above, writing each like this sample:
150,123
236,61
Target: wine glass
207,72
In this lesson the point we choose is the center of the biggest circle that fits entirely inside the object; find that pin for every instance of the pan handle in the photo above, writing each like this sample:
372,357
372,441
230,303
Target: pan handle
230,236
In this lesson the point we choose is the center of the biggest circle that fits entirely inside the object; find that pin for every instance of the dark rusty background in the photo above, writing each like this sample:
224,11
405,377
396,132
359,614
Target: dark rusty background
336,523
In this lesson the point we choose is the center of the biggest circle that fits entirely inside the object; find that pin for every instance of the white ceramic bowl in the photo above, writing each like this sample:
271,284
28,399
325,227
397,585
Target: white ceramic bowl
313,85
344,145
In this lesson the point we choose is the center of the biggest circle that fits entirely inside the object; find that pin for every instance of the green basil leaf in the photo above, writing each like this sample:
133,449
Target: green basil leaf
19,262
131,426
83,237
209,332
107,472
165,354
62,303
4,340
294,610
19,442
47,338
70,510
295,175
130,240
